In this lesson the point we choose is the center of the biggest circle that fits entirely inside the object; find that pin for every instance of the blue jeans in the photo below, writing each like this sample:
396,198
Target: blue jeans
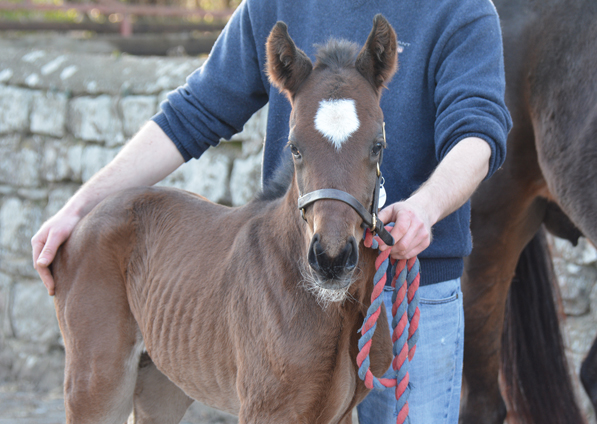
436,369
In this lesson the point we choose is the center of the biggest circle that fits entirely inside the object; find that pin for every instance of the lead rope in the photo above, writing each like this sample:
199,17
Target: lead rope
405,313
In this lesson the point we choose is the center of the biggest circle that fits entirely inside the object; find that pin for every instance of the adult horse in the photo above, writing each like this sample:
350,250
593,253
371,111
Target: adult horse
226,301
548,178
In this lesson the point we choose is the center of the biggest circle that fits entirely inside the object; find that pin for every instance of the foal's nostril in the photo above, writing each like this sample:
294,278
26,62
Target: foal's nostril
315,250
337,267
351,254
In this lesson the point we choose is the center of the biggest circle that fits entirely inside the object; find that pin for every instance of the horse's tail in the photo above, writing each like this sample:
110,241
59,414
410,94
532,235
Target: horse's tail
534,365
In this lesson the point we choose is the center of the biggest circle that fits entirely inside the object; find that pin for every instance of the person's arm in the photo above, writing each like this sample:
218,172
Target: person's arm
449,187
146,159
471,127
194,118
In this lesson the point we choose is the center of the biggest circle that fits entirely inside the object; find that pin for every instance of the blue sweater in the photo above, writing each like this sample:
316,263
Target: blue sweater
449,86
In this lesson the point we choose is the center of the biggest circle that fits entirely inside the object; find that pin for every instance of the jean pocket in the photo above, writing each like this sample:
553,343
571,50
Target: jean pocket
448,299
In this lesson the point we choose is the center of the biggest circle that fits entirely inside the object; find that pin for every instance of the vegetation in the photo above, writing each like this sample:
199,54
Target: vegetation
63,13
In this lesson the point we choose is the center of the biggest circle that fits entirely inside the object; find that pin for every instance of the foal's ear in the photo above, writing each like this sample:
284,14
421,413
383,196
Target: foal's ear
378,59
287,65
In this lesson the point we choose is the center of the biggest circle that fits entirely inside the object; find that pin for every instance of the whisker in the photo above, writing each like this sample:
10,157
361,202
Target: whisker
313,284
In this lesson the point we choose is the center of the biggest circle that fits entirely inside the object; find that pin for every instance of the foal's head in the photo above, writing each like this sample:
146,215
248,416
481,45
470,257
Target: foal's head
336,137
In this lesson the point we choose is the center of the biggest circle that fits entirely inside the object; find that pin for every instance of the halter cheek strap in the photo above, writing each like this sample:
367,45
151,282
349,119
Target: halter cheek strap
370,219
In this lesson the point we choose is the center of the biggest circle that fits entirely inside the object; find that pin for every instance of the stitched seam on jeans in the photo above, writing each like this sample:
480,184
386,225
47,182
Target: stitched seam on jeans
454,369
439,301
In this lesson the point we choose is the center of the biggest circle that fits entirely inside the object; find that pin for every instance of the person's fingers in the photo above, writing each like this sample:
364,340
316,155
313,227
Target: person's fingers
416,250
50,248
46,242
401,225
417,235
37,245
47,279
404,244
401,219
44,252
419,242
386,215
410,233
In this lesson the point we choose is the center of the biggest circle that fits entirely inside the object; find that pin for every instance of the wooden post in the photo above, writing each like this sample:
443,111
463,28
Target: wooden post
126,26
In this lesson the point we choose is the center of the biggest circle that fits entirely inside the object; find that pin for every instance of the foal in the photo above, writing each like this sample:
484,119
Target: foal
216,295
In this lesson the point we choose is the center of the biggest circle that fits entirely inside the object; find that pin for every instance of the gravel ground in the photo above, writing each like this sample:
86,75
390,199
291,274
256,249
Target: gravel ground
22,405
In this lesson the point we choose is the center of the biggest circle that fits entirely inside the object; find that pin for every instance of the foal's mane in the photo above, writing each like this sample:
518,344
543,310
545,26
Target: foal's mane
336,54
277,186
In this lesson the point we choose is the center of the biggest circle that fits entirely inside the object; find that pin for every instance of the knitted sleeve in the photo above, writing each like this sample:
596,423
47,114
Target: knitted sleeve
470,86
219,97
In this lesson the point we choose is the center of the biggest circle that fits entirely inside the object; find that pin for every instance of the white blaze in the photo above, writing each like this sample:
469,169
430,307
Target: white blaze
337,120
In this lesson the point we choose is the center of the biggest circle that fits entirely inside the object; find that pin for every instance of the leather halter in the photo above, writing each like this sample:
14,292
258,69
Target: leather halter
370,219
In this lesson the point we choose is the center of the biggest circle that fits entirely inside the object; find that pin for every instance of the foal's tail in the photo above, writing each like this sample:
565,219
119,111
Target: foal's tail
534,366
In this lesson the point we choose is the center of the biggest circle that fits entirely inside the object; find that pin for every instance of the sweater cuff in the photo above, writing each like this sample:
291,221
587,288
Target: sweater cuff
495,160
162,121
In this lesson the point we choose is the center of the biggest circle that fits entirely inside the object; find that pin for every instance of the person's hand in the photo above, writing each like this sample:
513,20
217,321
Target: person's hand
47,240
411,232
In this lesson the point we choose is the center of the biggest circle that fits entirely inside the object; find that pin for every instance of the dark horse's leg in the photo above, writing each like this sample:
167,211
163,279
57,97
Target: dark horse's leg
507,213
588,374
551,92
488,274
505,216
564,100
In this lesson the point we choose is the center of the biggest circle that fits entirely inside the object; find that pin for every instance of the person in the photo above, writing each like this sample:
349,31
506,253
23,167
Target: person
446,126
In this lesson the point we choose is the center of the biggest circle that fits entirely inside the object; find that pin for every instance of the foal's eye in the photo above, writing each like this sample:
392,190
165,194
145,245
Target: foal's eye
295,152
376,148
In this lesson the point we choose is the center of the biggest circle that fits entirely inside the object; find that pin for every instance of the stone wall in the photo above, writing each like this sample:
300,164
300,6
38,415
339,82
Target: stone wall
576,268
62,118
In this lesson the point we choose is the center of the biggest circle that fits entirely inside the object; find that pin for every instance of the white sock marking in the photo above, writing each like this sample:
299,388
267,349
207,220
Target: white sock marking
337,120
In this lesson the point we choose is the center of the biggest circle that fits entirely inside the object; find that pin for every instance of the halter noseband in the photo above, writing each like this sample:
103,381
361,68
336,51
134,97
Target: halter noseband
370,219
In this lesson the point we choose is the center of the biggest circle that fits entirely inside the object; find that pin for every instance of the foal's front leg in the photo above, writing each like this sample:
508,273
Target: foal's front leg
347,419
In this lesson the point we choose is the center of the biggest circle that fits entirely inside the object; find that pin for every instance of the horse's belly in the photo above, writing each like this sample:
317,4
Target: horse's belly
207,378
214,394
189,343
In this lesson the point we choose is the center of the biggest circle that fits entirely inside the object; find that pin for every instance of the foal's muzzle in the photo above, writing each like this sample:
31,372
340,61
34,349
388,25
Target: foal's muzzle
333,270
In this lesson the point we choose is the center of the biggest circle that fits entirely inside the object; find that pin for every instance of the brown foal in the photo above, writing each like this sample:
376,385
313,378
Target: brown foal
253,310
